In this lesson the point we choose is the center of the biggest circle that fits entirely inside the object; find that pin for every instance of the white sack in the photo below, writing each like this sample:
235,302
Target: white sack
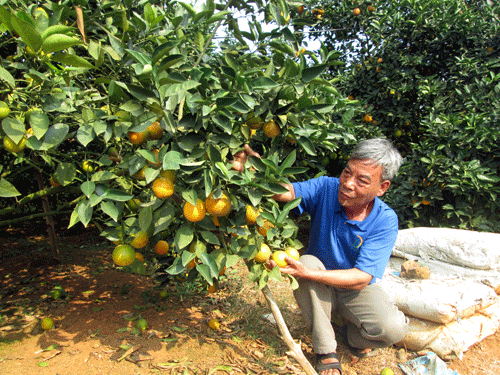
478,250
438,300
451,340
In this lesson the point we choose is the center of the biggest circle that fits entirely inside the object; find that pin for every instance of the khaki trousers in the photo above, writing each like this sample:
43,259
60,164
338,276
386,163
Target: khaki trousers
373,319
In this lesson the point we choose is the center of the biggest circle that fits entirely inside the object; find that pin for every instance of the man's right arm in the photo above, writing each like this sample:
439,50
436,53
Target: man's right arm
285,197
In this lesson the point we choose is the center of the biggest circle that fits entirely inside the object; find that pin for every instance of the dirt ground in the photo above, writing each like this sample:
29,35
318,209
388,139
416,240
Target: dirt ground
95,319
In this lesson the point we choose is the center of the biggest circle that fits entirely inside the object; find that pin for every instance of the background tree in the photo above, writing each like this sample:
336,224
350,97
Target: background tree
427,74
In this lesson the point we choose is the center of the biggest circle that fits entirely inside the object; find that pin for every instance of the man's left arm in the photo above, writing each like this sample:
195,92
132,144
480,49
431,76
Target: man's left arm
348,279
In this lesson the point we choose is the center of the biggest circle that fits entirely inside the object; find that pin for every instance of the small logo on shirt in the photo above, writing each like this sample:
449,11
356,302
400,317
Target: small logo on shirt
357,243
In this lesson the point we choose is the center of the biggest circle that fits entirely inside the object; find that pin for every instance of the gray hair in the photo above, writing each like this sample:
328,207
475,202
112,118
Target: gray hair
382,152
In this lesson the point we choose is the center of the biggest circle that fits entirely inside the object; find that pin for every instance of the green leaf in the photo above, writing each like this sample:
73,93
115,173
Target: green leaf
55,135
172,160
110,209
263,83
5,17
118,195
219,16
309,74
57,29
204,271
27,33
39,122
87,187
7,190
14,128
85,212
72,60
288,162
145,218
183,237
199,41
7,77
210,237
189,8
65,173
59,42
42,364
163,50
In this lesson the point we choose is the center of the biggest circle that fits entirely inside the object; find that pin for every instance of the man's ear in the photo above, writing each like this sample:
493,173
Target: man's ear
383,187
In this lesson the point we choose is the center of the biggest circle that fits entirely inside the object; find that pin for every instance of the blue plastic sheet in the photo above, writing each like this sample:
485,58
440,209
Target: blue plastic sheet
429,364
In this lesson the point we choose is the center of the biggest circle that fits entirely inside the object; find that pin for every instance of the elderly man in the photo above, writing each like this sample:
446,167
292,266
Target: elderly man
351,239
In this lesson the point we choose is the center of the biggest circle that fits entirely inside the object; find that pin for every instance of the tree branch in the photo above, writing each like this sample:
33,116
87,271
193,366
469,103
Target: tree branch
295,349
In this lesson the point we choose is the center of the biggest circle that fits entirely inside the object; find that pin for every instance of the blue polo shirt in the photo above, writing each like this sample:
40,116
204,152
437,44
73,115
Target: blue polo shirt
341,243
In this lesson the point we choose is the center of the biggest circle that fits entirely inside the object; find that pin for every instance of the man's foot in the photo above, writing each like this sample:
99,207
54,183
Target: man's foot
364,353
328,364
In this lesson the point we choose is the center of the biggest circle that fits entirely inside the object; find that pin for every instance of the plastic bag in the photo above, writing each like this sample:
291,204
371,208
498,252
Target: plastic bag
429,364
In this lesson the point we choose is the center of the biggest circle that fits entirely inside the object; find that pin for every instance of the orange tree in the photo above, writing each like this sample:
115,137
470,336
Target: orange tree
427,75
133,113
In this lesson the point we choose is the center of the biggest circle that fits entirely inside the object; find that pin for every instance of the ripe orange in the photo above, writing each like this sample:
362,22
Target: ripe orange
215,221
271,129
356,11
138,138
292,253
123,255
371,8
191,264
140,174
265,227
264,254
214,324
158,162
380,60
139,256
425,202
53,182
212,288
279,258
155,130
194,213
4,110
140,240
11,146
47,323
218,207
368,118
163,188
89,166
161,247
169,174
254,122
251,215
300,9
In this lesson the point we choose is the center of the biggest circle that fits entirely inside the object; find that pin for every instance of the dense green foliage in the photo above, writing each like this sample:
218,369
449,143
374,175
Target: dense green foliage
99,71
428,72
84,75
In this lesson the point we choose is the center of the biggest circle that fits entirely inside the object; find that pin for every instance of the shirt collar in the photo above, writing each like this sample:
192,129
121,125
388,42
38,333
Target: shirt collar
361,225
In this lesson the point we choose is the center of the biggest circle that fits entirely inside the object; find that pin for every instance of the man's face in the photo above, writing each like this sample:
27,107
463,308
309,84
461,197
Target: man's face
360,182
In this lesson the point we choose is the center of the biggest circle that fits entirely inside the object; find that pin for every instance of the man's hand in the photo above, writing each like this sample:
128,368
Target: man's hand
241,157
293,268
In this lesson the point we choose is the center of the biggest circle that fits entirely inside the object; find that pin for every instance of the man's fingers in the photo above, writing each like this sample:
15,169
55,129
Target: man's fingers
251,152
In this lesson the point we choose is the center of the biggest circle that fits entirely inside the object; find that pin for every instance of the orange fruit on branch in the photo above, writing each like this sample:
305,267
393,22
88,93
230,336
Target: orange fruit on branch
123,255
264,254
251,215
138,138
155,131
194,213
163,187
279,258
271,129
140,240
218,207
161,247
